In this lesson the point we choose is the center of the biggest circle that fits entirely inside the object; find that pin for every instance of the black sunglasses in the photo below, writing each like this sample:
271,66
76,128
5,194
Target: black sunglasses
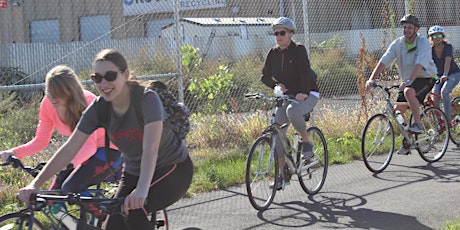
282,33
109,76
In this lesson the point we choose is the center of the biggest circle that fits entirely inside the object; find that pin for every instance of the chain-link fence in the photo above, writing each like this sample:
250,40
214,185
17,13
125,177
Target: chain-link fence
210,52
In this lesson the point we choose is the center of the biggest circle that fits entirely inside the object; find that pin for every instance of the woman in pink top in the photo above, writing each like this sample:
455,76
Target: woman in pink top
62,108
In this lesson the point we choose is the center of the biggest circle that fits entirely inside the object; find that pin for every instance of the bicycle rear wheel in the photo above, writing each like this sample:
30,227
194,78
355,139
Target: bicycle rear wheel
455,123
19,220
432,144
312,173
377,143
261,172
161,220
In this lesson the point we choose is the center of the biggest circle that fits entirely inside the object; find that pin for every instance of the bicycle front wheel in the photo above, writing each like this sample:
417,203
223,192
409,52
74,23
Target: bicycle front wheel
18,220
433,142
312,173
261,173
455,123
377,143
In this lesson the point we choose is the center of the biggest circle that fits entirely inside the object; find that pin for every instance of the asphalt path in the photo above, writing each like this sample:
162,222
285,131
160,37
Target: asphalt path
409,194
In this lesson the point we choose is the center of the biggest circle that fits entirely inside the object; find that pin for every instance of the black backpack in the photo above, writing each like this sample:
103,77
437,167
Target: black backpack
177,114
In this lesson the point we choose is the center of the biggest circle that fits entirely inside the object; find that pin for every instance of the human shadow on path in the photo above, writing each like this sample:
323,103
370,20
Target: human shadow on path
337,210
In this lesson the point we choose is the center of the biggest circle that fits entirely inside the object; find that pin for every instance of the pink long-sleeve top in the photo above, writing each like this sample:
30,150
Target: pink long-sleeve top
48,119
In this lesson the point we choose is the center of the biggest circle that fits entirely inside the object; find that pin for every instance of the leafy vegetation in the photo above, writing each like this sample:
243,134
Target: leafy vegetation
223,127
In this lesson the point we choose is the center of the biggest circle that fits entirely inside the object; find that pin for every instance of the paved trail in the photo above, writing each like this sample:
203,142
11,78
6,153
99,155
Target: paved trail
409,194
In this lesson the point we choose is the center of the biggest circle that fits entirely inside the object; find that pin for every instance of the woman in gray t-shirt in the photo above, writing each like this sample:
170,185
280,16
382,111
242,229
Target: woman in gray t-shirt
156,166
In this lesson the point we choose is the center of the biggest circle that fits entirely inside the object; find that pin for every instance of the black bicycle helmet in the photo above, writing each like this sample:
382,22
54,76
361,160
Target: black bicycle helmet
409,18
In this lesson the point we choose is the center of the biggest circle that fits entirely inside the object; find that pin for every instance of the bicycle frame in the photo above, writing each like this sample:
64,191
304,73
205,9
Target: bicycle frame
390,111
289,149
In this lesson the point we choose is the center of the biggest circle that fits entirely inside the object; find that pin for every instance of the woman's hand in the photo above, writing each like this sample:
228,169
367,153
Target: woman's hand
301,97
25,193
135,200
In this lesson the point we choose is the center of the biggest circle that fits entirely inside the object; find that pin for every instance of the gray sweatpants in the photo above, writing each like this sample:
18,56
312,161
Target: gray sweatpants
293,112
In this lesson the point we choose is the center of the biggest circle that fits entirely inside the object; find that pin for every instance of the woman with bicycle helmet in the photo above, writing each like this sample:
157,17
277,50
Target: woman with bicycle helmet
448,70
287,65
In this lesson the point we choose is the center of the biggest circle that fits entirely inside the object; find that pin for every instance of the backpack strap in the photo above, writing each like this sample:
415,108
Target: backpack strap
137,92
103,114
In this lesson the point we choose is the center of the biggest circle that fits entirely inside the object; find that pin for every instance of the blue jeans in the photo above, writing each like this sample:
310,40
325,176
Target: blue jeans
444,89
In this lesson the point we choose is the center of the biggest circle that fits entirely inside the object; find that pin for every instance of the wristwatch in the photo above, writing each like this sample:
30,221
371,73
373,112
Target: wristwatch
409,82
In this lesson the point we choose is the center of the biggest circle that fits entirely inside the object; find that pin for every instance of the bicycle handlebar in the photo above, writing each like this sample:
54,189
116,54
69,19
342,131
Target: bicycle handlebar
265,97
105,205
16,163
386,88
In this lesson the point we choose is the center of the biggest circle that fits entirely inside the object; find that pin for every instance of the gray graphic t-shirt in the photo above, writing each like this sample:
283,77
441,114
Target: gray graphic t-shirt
127,134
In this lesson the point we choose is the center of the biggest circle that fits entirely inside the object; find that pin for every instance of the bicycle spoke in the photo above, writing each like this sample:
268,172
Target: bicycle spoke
377,143
432,144
312,173
261,171
455,122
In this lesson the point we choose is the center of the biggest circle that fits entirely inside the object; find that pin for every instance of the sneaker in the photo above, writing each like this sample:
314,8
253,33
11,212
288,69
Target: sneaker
416,128
403,151
307,150
281,184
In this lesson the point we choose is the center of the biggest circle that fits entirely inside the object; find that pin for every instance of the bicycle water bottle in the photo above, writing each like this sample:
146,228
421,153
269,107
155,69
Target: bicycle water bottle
58,211
400,118
277,91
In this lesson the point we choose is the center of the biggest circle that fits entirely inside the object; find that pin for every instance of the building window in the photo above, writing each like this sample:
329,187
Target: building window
95,28
46,31
153,27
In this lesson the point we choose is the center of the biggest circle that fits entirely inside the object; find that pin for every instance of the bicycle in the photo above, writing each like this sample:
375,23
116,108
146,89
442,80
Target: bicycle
262,164
59,219
378,138
454,126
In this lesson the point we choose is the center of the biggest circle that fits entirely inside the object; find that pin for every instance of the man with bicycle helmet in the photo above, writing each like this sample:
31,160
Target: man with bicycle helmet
448,70
416,70
287,66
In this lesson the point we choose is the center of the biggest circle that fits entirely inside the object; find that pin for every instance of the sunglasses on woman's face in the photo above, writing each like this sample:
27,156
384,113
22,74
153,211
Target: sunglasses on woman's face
282,33
436,36
109,76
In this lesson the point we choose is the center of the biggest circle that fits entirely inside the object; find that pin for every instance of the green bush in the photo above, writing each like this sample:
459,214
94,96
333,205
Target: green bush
336,74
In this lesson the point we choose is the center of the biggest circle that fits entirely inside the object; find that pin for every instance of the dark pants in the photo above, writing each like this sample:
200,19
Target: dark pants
422,87
169,184
91,172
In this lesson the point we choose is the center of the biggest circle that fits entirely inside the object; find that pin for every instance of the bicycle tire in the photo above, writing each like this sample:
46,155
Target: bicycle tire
312,173
432,144
455,123
377,143
19,220
261,172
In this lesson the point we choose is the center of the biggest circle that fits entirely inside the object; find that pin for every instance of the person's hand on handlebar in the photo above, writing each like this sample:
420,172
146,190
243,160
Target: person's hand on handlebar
25,193
301,97
135,200
369,84
6,154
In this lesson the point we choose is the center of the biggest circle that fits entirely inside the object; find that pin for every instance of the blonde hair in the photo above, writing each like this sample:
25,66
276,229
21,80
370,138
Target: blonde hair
62,82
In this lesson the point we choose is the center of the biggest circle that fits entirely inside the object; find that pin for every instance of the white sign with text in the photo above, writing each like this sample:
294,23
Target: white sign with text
139,7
